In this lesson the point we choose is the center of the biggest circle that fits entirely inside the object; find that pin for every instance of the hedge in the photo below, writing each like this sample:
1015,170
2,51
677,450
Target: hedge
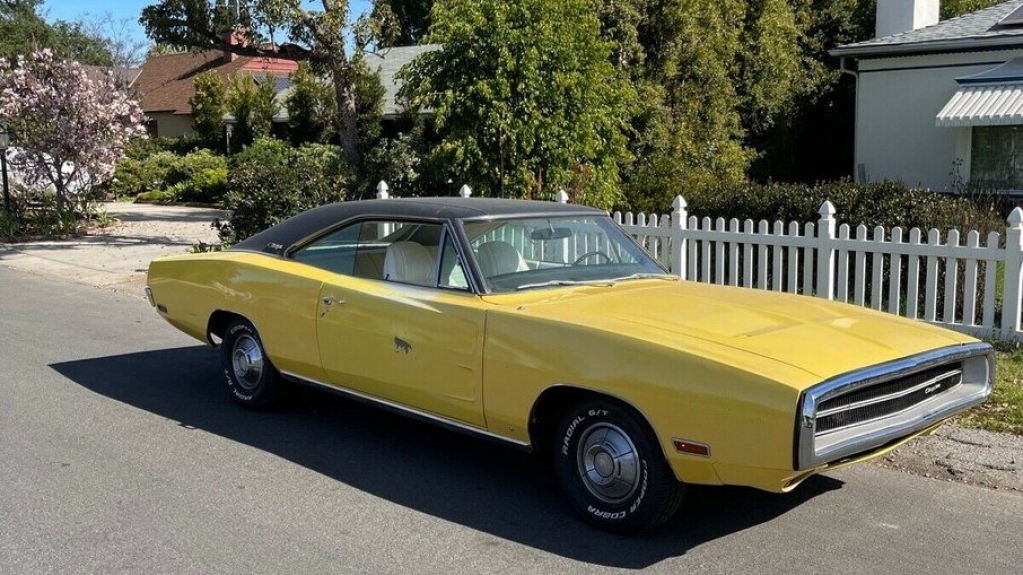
884,203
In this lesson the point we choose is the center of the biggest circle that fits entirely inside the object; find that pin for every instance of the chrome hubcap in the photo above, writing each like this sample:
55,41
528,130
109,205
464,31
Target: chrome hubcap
608,463
247,361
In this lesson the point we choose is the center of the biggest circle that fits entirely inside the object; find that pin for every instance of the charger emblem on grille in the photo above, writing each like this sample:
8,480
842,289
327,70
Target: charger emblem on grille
931,389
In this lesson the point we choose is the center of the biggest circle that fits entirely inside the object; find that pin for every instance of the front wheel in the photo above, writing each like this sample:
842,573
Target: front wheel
612,470
252,380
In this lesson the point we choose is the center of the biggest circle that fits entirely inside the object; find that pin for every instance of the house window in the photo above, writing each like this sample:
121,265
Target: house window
996,157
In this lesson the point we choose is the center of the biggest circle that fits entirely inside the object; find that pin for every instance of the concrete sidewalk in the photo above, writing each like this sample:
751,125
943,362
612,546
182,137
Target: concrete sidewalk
117,257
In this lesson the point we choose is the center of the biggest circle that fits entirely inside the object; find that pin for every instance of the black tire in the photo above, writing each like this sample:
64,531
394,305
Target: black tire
612,470
252,380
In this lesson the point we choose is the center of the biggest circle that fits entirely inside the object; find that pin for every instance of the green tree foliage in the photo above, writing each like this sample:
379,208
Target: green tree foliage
397,161
209,104
953,8
690,131
369,98
319,36
253,108
311,107
24,30
271,181
525,99
399,22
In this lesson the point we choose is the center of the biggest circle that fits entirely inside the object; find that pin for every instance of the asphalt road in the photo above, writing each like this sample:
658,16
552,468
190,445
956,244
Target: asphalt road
121,453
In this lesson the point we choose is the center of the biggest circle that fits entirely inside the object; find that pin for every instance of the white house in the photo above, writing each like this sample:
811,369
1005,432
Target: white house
939,100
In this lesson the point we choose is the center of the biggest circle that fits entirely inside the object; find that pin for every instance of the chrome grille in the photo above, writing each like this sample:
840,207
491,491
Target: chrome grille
886,398
866,409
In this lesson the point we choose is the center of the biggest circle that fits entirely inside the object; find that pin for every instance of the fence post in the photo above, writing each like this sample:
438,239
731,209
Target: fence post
679,221
561,197
382,191
826,251
1012,290
465,191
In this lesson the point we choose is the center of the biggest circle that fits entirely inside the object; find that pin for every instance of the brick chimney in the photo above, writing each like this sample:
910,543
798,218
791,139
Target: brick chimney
234,37
897,16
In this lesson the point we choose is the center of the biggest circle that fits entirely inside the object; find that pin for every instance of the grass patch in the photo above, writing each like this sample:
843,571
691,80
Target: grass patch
1004,410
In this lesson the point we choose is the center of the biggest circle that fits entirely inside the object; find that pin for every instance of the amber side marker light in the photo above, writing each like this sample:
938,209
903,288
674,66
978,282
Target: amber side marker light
691,447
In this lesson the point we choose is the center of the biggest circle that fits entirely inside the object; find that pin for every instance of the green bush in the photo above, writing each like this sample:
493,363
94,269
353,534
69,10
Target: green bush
886,204
271,181
142,148
200,176
157,197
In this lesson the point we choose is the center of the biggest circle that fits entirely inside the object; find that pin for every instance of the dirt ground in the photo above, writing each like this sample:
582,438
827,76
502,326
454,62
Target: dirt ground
117,257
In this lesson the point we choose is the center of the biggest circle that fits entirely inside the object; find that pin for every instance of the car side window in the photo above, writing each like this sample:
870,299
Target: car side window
333,252
452,274
398,251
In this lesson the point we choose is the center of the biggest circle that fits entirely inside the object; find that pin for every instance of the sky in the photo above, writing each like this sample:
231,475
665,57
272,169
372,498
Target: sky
131,9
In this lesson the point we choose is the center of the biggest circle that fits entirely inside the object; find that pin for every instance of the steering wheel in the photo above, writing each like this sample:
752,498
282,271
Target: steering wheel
587,255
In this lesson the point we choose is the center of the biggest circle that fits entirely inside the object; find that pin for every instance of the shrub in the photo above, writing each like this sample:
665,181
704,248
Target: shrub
204,186
200,176
142,148
270,182
885,203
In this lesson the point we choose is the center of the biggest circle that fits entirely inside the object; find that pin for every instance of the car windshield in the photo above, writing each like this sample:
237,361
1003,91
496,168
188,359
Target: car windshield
535,253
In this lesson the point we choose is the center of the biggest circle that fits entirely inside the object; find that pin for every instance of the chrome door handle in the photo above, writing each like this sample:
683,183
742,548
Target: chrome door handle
329,301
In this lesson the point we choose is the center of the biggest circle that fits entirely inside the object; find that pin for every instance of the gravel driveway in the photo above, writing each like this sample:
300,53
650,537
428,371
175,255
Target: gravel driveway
117,258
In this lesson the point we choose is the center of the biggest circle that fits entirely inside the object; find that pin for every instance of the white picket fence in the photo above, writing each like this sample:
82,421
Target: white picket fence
930,276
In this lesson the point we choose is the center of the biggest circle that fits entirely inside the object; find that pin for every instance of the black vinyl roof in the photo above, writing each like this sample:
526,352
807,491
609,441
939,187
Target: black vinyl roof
290,231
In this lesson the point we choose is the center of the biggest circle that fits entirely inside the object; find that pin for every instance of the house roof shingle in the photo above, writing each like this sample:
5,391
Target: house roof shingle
388,63
967,32
165,83
123,76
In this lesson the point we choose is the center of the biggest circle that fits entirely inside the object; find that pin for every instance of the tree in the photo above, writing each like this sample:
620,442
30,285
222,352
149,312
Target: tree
253,108
70,128
209,105
118,37
690,133
311,107
24,30
525,99
314,35
399,22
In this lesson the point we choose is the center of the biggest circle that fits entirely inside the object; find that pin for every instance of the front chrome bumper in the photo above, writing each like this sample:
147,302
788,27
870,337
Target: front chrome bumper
814,448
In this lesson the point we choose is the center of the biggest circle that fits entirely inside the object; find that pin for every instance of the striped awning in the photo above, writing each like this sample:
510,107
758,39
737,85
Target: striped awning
984,105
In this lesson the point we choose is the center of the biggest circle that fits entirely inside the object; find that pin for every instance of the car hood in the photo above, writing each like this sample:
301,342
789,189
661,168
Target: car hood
820,337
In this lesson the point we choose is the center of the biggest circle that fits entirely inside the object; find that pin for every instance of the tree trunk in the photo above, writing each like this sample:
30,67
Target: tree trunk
61,200
347,115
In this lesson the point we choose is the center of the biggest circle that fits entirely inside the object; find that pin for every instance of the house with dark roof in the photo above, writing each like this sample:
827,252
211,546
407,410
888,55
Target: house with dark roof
939,103
165,84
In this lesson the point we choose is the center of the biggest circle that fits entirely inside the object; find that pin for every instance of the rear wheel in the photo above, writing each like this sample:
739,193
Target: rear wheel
252,380
612,469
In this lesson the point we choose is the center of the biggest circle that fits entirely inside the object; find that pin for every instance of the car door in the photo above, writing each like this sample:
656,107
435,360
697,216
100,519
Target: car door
415,341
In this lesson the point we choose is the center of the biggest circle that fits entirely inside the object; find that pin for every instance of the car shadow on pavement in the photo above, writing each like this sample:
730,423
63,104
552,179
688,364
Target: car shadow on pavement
469,481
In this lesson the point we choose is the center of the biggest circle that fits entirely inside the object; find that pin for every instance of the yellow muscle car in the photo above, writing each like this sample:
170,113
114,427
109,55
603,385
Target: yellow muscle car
547,327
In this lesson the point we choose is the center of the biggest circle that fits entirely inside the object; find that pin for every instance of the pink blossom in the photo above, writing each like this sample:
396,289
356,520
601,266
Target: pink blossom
68,129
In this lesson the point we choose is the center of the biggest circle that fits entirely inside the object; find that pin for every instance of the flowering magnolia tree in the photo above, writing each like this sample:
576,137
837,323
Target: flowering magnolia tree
69,126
